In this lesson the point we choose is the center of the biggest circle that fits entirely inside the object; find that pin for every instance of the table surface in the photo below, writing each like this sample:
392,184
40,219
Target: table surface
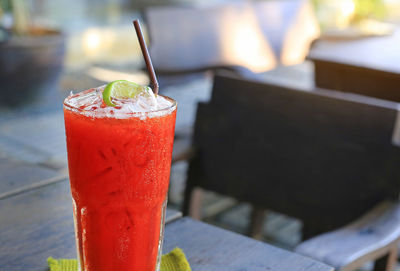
379,53
36,223
209,248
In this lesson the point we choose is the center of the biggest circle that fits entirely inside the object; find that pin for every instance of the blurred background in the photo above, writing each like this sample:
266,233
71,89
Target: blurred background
50,48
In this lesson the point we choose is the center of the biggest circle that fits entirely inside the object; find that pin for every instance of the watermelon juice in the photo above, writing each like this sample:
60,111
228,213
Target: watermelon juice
119,162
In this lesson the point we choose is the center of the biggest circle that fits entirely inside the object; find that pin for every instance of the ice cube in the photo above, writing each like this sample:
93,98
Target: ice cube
90,103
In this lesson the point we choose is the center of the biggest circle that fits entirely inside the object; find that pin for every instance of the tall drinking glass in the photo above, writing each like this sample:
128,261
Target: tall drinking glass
119,166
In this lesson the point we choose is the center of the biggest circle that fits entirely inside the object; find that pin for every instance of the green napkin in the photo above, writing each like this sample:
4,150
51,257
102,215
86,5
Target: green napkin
173,261
62,264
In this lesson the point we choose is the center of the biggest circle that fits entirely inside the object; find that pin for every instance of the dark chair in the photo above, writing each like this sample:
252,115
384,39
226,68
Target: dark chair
324,157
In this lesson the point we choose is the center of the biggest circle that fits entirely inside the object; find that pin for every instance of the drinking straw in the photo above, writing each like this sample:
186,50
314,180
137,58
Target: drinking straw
147,59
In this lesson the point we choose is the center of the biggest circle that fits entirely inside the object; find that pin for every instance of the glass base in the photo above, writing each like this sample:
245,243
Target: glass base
160,242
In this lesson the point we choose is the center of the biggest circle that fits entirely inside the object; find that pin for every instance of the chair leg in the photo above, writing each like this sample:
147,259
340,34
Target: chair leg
257,222
193,196
195,203
387,262
192,202
186,199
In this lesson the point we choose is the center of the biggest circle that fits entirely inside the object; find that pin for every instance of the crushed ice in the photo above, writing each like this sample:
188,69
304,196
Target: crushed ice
90,103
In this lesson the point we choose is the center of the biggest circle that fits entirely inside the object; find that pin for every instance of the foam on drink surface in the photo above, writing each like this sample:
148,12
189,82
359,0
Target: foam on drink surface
90,103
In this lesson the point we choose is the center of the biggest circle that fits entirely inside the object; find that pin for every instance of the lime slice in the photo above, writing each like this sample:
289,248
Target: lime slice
123,89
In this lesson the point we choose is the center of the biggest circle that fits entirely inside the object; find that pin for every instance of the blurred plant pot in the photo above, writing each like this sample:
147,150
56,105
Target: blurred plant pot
30,66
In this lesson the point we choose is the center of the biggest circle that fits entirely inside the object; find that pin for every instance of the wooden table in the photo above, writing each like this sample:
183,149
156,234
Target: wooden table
368,66
209,248
36,222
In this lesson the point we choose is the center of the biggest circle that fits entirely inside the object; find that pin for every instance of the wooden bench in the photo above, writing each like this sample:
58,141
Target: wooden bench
325,157
374,236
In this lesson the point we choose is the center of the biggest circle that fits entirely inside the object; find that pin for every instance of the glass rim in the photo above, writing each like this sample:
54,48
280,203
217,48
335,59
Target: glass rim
82,111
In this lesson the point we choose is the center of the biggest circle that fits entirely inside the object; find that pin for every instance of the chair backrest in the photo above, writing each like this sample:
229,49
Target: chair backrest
324,157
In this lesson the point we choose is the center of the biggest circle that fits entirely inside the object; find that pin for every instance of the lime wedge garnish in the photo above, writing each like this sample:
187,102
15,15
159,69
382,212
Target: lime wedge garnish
123,89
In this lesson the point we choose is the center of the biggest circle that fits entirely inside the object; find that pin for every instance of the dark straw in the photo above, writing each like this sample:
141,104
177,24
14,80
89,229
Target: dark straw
147,59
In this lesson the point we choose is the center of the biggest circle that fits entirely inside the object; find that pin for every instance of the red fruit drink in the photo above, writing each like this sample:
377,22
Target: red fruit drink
119,165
